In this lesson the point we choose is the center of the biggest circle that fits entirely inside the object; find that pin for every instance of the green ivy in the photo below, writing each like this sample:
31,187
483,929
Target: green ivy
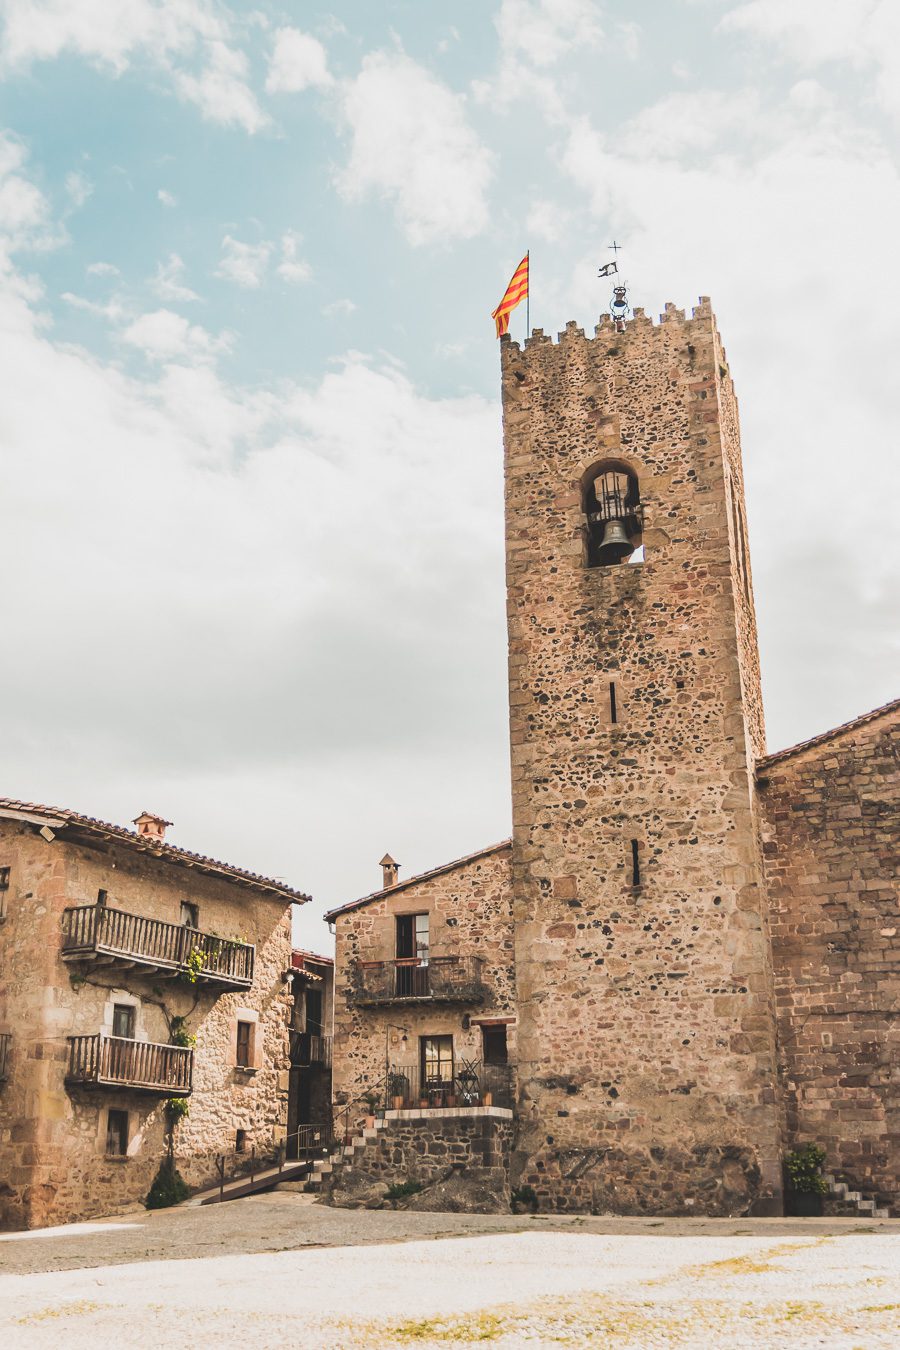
398,1190
179,1034
803,1169
176,1109
169,1186
524,1197
195,965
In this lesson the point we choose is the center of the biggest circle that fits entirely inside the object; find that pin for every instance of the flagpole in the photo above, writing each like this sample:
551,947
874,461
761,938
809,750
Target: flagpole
528,298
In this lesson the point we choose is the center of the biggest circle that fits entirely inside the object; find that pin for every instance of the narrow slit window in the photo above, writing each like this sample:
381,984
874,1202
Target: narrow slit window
613,711
117,1134
635,864
102,897
243,1045
4,890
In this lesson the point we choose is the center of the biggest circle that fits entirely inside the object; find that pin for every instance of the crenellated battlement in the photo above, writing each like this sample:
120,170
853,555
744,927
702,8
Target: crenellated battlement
638,327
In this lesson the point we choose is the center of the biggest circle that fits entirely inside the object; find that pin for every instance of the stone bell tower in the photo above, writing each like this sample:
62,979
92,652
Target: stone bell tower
646,1034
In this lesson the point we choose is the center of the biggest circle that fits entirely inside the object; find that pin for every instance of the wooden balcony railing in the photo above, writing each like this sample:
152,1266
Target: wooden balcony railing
5,1042
113,1061
308,1049
96,932
441,979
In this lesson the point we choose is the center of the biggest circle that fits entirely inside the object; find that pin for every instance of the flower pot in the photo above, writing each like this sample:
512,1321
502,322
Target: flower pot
398,1103
804,1204
487,1099
370,1121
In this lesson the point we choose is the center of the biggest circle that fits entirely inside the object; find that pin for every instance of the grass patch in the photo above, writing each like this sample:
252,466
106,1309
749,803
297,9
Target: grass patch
460,1331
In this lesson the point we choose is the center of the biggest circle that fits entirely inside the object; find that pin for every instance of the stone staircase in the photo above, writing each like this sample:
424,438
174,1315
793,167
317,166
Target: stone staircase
323,1169
842,1202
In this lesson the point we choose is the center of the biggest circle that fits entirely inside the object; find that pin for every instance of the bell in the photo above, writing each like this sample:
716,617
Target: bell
615,544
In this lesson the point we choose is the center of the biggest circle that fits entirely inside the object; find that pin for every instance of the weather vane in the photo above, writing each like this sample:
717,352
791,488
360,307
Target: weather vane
619,304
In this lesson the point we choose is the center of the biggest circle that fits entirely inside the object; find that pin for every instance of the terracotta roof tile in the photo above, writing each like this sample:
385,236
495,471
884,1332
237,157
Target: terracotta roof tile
181,857
413,881
826,736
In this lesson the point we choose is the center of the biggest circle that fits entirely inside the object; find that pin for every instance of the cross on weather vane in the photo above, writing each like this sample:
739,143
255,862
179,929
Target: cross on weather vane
609,269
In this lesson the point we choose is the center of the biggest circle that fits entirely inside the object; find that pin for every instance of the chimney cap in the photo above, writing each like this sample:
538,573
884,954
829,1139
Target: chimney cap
151,825
388,861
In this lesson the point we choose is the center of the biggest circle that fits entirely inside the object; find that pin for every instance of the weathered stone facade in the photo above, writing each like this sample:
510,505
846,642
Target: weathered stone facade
687,1008
646,1030
830,824
459,1157
54,1161
469,907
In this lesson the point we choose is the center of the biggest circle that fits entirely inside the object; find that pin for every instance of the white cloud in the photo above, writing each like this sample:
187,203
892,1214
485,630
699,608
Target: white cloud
343,306
25,220
547,220
220,89
188,40
292,267
78,187
298,62
169,283
167,198
862,33
244,264
542,31
412,145
164,335
113,310
102,269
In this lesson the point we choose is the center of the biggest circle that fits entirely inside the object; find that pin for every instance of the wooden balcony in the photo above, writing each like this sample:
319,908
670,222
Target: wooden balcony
142,1066
5,1042
441,979
309,1050
113,937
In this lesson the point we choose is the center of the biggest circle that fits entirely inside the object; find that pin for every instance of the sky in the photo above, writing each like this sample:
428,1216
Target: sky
250,445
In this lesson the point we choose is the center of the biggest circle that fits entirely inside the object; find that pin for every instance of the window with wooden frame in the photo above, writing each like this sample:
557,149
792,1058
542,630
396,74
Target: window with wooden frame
493,1044
243,1055
117,1134
436,1062
123,1020
413,942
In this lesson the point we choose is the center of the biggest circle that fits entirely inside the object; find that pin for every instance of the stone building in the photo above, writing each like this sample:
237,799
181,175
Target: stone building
696,944
309,1096
132,972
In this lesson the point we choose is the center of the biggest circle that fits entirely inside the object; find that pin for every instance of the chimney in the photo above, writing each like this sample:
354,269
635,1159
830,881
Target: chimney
150,826
389,870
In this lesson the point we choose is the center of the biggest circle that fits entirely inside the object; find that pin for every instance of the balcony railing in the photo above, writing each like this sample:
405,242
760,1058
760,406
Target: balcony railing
441,979
308,1049
468,1083
96,932
5,1042
114,1061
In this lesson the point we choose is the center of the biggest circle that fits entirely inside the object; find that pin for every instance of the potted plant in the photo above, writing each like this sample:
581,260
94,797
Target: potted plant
805,1186
371,1100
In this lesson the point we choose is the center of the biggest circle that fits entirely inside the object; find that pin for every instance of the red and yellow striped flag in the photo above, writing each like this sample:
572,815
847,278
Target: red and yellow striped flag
515,291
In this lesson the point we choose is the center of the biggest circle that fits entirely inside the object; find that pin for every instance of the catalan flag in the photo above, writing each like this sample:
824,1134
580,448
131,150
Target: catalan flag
516,290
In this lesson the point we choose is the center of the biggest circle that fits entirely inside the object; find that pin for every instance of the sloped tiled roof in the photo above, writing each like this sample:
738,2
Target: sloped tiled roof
414,881
59,818
825,736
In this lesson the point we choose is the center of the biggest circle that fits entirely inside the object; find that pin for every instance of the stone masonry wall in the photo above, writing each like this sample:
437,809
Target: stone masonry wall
53,1165
646,1029
429,1147
831,824
470,914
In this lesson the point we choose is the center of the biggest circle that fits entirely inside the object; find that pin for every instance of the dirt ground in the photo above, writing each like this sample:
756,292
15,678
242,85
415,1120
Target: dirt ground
277,1270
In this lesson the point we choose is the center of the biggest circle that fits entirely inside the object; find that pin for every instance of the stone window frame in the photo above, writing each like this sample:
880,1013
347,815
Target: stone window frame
132,1000
255,1045
133,1136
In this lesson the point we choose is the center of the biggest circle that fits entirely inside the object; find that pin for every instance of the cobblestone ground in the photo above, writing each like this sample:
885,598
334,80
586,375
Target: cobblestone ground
278,1271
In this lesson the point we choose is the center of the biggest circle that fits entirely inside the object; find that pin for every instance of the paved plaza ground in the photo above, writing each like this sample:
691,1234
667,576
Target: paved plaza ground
277,1270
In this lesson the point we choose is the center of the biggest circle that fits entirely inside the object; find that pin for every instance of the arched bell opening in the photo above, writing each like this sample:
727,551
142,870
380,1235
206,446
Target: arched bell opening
611,502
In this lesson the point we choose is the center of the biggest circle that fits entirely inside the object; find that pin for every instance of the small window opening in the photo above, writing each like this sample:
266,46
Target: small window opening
242,1051
4,890
190,915
679,684
117,1134
240,1141
613,712
635,864
102,897
611,503
123,1021
494,1045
